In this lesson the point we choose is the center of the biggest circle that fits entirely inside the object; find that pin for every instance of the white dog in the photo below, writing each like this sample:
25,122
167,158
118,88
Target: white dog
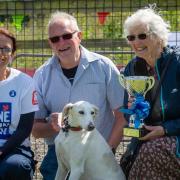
81,149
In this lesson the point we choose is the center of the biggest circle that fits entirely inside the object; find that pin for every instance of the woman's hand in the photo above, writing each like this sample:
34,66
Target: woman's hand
155,132
131,99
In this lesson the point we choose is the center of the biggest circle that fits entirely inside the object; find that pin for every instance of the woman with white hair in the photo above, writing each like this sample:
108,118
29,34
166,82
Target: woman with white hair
159,154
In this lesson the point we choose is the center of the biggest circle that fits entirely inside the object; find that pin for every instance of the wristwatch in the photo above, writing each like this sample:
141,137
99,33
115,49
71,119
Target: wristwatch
48,118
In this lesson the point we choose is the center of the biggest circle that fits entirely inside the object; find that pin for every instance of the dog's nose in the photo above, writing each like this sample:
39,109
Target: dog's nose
90,126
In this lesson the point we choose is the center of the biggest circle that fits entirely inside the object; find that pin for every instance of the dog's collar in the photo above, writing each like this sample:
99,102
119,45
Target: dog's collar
78,128
67,127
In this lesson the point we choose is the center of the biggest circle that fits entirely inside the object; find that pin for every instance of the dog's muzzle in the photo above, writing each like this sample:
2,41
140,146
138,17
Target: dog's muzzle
90,127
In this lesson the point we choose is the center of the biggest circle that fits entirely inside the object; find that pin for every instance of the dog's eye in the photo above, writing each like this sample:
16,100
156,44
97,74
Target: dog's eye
92,112
81,112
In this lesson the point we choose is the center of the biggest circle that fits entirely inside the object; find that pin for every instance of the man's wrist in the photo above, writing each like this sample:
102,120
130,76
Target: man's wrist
113,150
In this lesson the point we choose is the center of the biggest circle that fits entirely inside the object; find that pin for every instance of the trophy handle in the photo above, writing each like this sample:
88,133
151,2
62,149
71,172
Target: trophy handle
150,84
121,80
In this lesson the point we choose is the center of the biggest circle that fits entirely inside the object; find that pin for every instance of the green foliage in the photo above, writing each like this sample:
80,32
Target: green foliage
113,27
112,30
173,17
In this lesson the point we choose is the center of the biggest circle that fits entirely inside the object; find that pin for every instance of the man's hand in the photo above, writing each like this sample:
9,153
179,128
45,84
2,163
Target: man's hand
49,127
117,131
155,132
55,121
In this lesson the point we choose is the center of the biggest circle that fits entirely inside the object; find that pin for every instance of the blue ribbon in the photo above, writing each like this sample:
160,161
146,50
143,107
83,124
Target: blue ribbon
139,110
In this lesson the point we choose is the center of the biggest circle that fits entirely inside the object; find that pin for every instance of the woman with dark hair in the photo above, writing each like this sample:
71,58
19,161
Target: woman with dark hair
17,106
159,155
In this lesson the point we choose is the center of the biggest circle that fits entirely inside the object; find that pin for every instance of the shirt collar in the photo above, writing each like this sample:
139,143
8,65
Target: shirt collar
85,59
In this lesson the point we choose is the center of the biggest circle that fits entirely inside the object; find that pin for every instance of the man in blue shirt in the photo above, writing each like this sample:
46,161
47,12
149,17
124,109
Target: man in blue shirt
73,74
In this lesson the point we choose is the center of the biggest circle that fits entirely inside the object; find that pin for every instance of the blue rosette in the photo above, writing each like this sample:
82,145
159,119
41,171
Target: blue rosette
138,111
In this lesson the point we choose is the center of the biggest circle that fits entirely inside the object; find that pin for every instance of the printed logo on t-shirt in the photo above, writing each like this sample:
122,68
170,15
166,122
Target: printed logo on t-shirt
12,93
5,119
34,98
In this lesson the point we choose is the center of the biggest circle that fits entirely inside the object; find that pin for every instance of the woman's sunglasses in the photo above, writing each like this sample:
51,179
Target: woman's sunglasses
139,36
67,36
5,50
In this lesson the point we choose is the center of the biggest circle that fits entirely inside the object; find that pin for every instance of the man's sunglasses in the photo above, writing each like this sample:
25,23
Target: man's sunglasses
139,36
67,36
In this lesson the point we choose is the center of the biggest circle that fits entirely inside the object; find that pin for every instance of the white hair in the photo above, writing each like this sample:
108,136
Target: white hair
153,21
58,15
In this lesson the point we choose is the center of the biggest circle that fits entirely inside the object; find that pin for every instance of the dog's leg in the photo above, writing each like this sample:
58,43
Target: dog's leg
75,174
58,174
61,171
77,169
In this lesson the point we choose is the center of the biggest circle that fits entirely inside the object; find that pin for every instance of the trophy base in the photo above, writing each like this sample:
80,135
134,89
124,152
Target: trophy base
132,132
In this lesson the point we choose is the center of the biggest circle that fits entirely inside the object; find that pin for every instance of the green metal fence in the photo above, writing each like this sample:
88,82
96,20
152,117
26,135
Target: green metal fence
100,20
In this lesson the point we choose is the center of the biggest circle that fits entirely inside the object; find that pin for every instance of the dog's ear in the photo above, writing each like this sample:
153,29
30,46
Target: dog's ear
66,109
96,110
